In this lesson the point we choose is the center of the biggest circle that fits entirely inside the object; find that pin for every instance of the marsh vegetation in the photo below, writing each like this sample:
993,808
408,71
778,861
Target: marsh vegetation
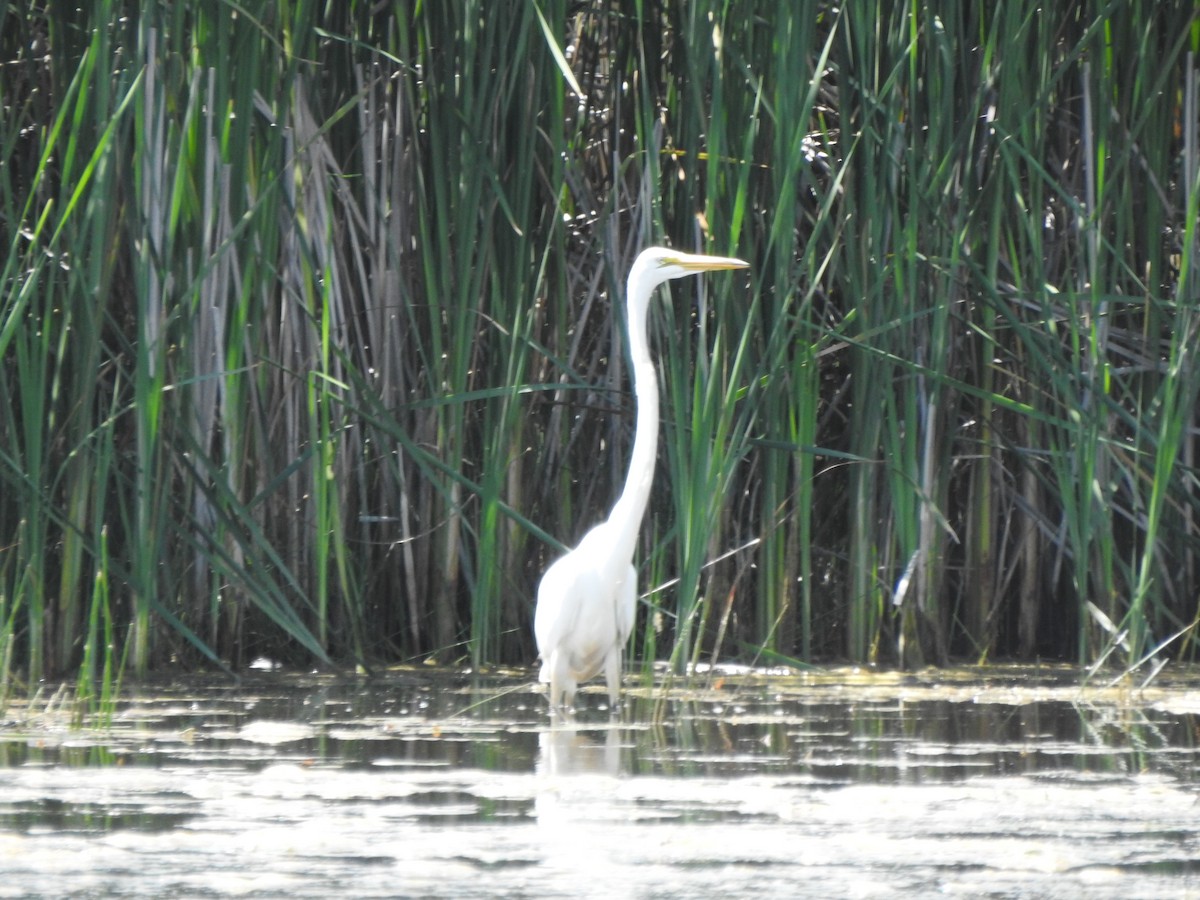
309,348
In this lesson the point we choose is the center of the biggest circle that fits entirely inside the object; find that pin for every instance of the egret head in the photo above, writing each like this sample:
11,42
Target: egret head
658,264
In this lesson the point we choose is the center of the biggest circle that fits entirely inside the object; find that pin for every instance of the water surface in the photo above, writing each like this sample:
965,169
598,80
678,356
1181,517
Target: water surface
983,783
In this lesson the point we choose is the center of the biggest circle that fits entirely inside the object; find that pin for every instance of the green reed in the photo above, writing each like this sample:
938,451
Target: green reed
320,355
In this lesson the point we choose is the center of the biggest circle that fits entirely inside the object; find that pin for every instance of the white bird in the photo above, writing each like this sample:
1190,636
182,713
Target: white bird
587,599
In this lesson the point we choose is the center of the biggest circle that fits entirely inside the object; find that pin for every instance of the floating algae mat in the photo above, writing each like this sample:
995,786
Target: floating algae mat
737,783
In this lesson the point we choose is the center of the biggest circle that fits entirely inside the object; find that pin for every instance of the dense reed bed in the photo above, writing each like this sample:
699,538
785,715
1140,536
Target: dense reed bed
310,350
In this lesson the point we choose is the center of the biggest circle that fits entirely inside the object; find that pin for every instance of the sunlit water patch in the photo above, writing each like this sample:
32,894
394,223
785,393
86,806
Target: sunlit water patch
998,783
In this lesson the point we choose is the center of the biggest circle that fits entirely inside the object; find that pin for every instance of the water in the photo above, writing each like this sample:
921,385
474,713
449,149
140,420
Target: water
995,783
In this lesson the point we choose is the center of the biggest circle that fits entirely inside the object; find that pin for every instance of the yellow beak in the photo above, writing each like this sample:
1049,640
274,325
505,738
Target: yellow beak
699,263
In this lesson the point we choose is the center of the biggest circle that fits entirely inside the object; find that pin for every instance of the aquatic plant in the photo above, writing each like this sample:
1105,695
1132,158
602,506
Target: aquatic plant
307,340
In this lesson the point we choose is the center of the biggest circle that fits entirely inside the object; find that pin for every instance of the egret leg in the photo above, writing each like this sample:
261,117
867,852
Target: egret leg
562,682
626,612
612,676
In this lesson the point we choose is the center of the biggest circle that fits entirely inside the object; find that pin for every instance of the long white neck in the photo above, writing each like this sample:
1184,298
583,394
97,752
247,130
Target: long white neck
626,516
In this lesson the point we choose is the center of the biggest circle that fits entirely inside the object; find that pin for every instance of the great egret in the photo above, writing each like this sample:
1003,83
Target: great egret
587,599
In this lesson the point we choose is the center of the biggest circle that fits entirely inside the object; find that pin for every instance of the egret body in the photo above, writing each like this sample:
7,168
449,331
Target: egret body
587,599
